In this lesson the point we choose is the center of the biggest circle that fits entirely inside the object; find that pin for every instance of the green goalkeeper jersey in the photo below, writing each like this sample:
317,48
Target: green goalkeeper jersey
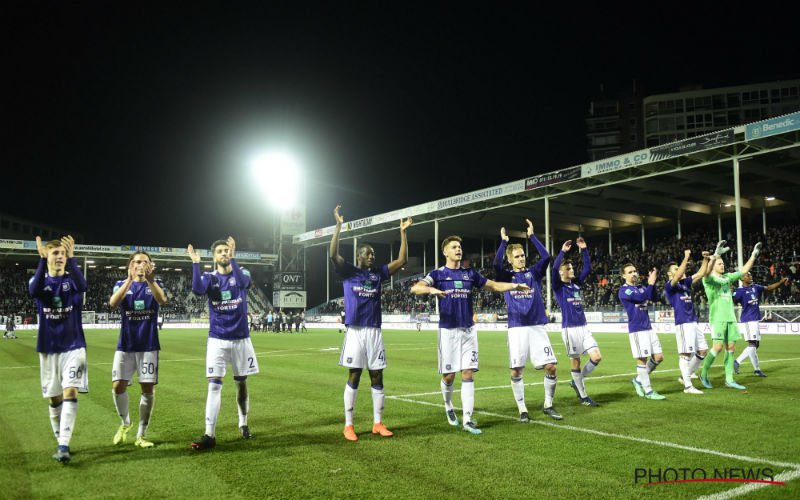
720,297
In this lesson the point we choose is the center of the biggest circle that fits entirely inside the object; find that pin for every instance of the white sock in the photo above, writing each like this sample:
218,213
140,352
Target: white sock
518,388
467,399
686,374
447,394
644,377
377,404
549,390
695,363
121,404
652,365
212,407
242,401
350,395
55,418
588,368
146,403
578,379
744,355
68,414
754,357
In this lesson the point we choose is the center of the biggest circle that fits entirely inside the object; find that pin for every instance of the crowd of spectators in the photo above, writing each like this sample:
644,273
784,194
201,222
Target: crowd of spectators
779,259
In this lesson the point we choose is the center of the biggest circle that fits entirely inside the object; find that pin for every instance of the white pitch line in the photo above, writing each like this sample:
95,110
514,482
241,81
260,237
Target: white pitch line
666,444
784,477
601,377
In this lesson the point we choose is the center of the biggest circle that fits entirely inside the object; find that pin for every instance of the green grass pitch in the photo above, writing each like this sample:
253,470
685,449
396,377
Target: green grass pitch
296,417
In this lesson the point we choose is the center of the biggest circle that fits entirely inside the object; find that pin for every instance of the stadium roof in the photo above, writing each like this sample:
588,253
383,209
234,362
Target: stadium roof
688,181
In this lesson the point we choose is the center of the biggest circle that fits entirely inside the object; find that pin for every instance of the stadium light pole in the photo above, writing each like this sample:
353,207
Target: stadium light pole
738,211
277,175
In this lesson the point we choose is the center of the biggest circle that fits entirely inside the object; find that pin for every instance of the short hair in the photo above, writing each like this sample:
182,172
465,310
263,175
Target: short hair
362,247
625,266
565,263
669,264
140,252
218,243
510,249
449,240
52,244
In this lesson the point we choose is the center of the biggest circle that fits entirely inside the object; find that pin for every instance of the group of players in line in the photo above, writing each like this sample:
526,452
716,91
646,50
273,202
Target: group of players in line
58,286
527,338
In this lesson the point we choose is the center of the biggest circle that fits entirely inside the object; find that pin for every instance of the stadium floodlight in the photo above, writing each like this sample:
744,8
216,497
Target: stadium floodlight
769,198
277,175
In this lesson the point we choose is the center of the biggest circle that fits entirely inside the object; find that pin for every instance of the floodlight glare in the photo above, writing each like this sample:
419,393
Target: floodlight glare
770,198
278,177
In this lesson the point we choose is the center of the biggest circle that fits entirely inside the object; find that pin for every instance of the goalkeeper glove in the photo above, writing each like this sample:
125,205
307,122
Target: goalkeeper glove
721,249
756,250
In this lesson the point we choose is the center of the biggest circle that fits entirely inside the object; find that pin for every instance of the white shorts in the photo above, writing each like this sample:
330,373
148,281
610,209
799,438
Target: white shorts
578,340
128,363
458,349
239,353
60,370
644,344
363,348
532,342
690,338
750,331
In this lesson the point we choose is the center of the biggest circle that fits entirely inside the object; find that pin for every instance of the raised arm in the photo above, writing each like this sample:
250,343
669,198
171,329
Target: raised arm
544,255
72,265
587,262
242,278
119,294
200,281
402,257
497,263
752,260
36,284
704,268
681,268
651,282
338,260
556,277
155,287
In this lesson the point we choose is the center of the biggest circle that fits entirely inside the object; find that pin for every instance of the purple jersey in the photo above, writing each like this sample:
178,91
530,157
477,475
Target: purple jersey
362,294
748,297
524,308
455,308
59,300
227,301
680,297
634,299
568,295
139,310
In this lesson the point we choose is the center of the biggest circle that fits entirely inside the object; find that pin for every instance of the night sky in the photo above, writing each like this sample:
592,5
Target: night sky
134,122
